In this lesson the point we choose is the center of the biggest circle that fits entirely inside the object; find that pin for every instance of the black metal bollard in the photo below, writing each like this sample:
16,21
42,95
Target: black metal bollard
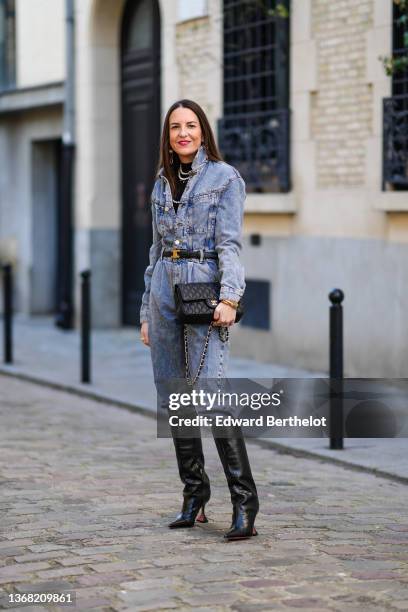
8,312
336,369
86,326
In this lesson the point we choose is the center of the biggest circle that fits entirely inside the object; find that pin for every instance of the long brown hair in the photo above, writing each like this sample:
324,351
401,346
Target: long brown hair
170,170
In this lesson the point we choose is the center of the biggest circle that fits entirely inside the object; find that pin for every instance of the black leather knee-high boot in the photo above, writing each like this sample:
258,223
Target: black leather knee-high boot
190,459
244,496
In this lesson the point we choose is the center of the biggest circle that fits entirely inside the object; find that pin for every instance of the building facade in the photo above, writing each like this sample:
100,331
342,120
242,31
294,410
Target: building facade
300,104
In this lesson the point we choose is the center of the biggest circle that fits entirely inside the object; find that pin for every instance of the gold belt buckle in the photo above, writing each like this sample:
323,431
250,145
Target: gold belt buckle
175,254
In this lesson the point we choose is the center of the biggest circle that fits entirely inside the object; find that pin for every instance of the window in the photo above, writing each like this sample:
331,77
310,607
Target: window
254,130
395,110
7,44
257,304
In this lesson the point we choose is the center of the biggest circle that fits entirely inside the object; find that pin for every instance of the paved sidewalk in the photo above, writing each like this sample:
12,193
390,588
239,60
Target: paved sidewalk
122,374
88,490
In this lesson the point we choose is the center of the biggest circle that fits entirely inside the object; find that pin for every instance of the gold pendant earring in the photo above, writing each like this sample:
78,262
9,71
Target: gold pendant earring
171,156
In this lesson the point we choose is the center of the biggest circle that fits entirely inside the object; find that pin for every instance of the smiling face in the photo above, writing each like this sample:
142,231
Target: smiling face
184,133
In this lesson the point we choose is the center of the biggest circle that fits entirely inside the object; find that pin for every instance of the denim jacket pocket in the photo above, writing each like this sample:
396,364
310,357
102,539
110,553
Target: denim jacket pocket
202,211
163,216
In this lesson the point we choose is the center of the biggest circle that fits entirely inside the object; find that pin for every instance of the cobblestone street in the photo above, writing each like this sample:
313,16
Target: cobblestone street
88,490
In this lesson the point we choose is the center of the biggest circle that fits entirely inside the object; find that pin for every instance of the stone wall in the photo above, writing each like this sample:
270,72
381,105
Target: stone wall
342,106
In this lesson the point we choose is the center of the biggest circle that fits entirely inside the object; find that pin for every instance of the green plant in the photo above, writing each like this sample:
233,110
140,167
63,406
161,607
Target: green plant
393,65
280,11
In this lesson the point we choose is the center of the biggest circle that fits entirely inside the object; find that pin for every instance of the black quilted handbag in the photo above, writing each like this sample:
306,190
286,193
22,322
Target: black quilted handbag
195,302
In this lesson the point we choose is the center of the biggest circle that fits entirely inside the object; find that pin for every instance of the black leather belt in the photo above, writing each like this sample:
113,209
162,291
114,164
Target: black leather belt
179,253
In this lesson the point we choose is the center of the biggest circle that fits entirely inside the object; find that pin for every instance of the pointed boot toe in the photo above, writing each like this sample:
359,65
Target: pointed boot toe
242,526
180,522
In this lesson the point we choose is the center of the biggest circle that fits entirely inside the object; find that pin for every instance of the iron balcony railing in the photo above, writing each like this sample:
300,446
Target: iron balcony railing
257,144
395,142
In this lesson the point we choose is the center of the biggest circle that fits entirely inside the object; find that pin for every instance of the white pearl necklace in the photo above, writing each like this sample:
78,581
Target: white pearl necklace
185,178
186,174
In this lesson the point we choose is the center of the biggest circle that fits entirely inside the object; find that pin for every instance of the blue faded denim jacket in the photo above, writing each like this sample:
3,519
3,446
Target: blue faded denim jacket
209,217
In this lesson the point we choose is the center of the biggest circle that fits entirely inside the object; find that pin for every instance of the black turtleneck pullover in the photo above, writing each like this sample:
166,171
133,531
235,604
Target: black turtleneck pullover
180,185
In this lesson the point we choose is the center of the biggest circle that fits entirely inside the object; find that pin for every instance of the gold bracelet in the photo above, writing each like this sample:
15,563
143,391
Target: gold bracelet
232,303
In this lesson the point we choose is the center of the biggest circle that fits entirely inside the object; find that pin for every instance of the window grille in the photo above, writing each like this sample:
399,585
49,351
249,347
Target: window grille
254,130
395,112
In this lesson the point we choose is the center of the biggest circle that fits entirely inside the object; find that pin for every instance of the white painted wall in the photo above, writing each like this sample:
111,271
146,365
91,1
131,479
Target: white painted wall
40,34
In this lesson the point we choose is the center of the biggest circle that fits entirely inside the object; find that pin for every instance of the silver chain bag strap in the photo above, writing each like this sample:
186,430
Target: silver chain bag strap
224,335
195,303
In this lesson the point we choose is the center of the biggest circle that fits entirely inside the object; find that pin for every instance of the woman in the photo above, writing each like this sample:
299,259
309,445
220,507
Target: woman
197,210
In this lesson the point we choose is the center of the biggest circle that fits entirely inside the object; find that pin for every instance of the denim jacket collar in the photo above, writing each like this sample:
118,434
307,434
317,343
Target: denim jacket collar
199,160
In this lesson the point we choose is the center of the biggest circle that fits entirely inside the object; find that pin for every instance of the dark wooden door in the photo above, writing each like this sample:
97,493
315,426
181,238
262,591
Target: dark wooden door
140,87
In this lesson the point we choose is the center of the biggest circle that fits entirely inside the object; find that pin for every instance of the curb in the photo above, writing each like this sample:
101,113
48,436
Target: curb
354,467
103,398
77,390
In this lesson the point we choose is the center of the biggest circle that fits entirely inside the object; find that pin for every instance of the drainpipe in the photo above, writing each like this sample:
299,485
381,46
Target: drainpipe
65,308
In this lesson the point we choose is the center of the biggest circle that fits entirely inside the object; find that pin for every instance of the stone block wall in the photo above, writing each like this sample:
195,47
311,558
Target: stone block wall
342,107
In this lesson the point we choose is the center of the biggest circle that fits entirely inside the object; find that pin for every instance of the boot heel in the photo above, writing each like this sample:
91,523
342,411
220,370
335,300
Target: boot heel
201,518
190,513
